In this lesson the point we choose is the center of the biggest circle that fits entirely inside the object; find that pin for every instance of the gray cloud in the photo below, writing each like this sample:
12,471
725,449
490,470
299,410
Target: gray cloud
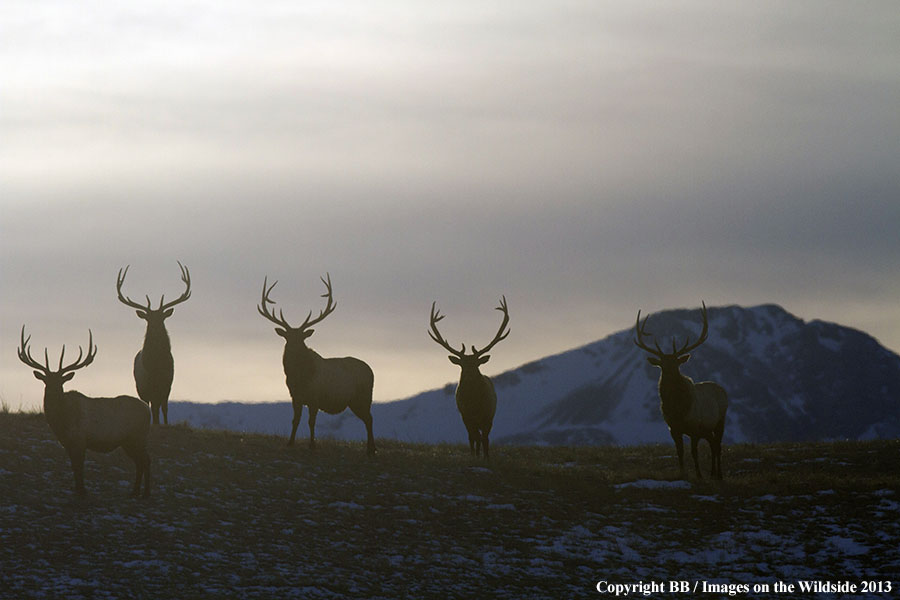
583,159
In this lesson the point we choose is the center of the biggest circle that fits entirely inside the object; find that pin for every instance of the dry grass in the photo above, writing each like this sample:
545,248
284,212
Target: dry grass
244,516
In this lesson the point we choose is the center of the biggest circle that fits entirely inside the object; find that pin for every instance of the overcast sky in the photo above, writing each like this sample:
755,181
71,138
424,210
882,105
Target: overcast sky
585,159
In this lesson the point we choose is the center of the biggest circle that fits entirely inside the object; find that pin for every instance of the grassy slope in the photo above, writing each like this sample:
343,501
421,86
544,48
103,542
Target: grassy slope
247,517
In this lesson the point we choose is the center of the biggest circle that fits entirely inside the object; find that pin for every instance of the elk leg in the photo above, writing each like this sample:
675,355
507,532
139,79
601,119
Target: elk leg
715,447
694,442
165,411
135,455
142,466
717,434
76,457
313,412
365,415
146,461
474,437
298,412
155,406
370,444
679,446
485,443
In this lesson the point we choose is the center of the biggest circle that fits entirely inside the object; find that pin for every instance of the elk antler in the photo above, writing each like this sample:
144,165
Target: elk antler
125,299
263,309
329,306
25,356
436,335
79,364
688,346
163,305
640,329
186,278
500,335
280,320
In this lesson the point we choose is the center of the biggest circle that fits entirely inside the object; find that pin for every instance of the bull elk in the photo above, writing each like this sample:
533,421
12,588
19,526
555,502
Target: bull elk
154,367
83,423
693,409
476,398
328,384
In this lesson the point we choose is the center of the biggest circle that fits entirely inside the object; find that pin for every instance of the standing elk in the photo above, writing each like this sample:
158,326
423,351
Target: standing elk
328,384
476,398
82,423
693,409
154,367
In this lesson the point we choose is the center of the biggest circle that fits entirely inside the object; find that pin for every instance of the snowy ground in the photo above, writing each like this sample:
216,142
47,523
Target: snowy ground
249,518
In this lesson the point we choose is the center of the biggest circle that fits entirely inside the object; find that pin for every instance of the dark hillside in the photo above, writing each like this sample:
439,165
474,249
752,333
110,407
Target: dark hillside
246,517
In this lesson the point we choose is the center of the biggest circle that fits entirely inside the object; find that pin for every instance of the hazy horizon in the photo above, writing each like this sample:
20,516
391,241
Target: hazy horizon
584,159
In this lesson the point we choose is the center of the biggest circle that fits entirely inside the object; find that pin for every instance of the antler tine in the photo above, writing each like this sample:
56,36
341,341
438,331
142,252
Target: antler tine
436,335
24,353
263,309
330,305
120,280
500,334
688,346
79,364
186,278
641,330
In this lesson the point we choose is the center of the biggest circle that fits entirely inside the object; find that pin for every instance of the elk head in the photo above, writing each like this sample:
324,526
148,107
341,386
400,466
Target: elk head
54,380
291,334
669,361
477,357
165,310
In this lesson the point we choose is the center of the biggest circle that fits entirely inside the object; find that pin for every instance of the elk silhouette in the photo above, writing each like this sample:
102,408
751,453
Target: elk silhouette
154,367
83,423
476,398
693,409
327,384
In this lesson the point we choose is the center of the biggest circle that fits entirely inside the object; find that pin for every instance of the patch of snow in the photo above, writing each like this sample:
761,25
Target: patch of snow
346,505
655,484
847,546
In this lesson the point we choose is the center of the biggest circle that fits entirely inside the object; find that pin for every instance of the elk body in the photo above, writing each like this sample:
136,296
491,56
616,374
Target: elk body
83,423
693,409
328,384
154,367
476,398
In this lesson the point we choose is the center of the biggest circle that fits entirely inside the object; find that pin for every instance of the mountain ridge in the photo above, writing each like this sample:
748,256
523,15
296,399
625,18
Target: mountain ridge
787,380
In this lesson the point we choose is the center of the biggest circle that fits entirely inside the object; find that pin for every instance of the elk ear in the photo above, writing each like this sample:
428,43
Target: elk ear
308,333
141,314
281,332
40,376
484,359
168,313
683,359
454,359
67,377
654,361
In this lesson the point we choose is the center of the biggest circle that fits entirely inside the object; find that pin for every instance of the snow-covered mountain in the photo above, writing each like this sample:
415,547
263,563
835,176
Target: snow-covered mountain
787,380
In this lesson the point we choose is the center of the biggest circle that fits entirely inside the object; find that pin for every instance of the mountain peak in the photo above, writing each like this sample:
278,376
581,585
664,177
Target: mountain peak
786,379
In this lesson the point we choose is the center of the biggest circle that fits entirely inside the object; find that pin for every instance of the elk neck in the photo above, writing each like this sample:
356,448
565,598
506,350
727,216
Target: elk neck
156,341
300,363
59,410
675,394
470,378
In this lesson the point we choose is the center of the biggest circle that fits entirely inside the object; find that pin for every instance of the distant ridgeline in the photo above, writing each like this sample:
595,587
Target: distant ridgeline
787,380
